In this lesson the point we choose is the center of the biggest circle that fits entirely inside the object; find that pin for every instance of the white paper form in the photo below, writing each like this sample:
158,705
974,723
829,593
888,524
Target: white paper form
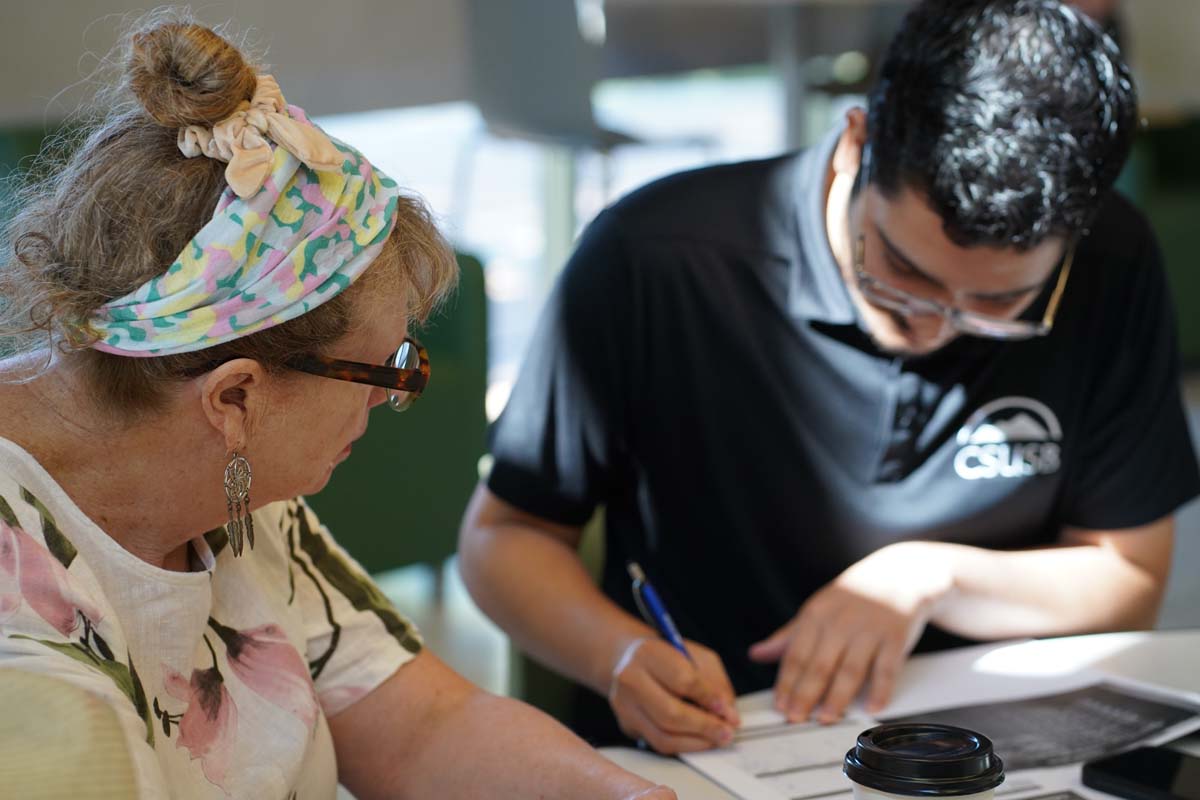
773,760
948,679
778,761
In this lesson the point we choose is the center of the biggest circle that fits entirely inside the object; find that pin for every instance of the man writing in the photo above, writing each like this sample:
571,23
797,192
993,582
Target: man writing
914,386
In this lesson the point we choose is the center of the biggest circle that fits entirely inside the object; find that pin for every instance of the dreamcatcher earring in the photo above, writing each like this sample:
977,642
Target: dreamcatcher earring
237,501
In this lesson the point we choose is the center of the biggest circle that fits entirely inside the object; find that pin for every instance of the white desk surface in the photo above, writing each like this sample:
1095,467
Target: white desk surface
1169,659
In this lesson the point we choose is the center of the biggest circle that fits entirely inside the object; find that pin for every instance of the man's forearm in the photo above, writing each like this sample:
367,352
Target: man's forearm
1046,592
536,588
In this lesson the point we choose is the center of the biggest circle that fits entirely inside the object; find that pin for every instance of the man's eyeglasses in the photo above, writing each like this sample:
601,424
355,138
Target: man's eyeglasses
971,323
405,373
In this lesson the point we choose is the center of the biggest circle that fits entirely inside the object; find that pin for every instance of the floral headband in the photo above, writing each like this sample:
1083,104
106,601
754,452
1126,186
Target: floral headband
303,217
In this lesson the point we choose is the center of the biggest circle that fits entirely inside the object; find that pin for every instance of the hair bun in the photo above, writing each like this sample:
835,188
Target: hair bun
186,74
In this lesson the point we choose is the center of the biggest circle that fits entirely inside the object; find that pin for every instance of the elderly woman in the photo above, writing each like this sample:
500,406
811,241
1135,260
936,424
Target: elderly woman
208,296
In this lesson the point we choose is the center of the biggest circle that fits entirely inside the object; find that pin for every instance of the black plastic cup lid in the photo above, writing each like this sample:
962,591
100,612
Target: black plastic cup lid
924,760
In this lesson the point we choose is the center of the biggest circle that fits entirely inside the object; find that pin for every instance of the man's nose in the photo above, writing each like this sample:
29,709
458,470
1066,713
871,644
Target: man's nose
928,326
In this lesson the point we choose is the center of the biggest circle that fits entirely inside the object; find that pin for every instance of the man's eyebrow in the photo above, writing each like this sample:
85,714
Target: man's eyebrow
896,253
899,255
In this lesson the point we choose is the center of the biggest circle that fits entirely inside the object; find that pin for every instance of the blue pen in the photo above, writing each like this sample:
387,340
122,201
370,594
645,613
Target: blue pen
653,610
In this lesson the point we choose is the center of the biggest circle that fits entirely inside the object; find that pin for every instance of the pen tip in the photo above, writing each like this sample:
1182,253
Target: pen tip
635,571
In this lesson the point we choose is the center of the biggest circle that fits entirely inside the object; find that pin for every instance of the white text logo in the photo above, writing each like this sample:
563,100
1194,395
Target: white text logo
1012,437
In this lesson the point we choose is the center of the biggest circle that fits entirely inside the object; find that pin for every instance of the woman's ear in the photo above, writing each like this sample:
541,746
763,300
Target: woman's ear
234,398
847,156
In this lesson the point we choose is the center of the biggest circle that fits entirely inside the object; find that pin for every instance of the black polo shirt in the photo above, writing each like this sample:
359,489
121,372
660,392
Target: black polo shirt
701,371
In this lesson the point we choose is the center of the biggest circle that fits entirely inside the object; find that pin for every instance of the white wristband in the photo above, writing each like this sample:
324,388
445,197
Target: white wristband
622,663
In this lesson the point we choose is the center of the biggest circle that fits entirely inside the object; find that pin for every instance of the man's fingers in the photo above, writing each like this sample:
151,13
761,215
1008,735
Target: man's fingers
884,672
680,718
665,706
682,677
772,648
713,673
658,686
639,724
654,688
851,675
814,681
794,662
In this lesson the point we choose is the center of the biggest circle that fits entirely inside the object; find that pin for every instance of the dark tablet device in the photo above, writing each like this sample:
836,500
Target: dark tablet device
1148,773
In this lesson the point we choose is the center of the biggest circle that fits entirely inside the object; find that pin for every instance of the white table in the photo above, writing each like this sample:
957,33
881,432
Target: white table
1170,659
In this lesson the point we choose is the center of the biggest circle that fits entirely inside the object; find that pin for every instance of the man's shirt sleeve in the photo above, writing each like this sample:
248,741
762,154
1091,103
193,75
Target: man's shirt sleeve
560,443
1135,461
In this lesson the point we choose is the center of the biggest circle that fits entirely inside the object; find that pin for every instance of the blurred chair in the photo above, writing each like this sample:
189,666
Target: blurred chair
399,498
532,74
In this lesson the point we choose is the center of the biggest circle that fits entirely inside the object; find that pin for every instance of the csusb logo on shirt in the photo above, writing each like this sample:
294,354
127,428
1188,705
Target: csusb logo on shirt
1012,437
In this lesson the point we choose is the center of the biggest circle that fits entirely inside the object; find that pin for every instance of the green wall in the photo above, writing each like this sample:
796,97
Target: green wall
1164,179
16,145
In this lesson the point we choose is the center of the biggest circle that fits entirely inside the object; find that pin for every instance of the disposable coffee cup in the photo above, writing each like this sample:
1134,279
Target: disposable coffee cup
905,760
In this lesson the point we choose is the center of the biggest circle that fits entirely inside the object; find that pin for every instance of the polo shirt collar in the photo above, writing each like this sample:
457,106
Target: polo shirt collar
816,291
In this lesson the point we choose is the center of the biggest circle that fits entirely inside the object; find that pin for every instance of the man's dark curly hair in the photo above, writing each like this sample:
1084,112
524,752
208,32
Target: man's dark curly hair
1010,117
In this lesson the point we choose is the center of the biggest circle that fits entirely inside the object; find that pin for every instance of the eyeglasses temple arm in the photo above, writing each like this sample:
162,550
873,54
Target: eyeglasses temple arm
1052,306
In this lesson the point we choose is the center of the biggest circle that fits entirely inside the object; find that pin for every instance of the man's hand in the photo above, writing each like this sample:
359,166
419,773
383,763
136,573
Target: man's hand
674,704
856,631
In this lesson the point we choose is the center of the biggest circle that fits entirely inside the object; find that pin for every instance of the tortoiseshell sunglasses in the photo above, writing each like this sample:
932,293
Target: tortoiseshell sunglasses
406,372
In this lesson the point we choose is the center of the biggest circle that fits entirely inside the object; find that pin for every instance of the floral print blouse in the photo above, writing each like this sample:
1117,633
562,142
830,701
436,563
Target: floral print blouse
222,677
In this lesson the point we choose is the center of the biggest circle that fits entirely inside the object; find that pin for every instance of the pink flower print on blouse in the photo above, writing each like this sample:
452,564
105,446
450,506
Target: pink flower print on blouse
43,581
208,726
265,660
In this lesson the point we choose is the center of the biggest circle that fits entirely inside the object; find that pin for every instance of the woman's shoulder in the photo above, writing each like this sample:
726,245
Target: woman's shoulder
55,617
45,588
